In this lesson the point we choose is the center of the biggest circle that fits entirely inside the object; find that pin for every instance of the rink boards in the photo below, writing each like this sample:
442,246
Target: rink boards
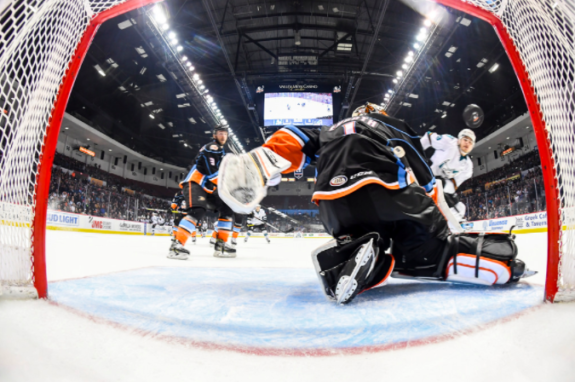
65,221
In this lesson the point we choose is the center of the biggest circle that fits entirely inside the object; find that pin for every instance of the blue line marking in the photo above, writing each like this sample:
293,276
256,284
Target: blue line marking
285,308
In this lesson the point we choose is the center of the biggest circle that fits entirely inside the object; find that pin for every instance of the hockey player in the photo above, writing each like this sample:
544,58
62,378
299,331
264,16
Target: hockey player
451,164
178,208
373,187
200,191
257,220
155,220
204,229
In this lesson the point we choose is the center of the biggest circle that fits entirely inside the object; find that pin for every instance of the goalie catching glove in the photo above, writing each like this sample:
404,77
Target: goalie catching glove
243,179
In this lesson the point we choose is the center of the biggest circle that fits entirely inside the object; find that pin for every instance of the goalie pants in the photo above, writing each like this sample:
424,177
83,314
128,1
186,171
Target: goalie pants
407,216
421,243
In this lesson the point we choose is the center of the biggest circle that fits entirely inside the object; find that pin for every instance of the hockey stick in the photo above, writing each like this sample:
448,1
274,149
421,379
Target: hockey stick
274,227
279,213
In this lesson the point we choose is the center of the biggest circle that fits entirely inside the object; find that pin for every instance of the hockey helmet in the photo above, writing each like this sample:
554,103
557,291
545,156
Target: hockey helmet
467,133
368,108
221,128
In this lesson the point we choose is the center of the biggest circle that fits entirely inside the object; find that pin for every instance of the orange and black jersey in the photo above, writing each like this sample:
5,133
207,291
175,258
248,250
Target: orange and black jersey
179,202
356,152
206,165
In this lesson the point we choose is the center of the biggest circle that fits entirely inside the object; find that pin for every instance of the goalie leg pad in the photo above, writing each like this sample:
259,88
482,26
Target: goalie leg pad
346,270
484,258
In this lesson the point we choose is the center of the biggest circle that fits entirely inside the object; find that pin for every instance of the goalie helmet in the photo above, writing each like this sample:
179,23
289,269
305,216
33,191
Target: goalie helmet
368,108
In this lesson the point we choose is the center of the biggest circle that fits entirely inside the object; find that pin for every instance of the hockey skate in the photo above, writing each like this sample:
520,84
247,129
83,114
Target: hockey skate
518,271
212,240
355,272
223,249
194,240
268,240
178,252
234,242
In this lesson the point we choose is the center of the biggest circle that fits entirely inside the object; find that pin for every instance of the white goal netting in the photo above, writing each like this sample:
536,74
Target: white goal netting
543,32
37,41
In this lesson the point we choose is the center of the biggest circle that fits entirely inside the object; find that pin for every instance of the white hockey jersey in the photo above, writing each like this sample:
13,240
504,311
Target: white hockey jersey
447,161
154,219
257,218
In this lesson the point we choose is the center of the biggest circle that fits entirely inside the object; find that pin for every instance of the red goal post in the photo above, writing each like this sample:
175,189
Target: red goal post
42,47
536,34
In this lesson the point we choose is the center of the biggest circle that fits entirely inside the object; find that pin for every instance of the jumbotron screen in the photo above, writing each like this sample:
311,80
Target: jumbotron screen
302,109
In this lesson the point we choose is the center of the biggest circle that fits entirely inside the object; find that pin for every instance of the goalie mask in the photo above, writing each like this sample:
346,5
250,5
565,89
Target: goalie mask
368,108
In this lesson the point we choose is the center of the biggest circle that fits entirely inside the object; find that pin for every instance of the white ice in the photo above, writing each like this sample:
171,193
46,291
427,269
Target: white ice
40,341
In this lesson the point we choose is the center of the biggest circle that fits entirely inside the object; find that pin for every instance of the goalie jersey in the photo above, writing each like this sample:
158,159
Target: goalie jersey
372,149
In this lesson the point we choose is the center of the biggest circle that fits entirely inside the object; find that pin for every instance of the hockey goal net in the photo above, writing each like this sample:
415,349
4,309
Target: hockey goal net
42,45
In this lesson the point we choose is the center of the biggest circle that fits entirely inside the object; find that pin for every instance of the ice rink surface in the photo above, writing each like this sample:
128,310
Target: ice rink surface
120,311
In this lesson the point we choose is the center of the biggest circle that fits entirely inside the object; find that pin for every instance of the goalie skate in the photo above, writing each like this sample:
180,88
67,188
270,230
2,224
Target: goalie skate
354,270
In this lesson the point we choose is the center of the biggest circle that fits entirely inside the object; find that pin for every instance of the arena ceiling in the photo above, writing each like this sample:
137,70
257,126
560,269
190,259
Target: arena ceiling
136,87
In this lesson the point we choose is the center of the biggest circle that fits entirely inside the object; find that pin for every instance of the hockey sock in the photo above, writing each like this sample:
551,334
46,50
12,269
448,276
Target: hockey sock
237,230
224,228
215,233
186,228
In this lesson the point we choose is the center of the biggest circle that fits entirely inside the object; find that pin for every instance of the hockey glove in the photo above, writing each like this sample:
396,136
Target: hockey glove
243,179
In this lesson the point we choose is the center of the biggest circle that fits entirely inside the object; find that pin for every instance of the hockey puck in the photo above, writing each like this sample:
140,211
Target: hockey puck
473,116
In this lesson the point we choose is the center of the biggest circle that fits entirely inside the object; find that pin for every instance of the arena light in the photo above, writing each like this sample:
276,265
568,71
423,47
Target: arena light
159,15
427,23
493,68
152,116
179,48
395,80
404,66
185,58
408,59
191,68
399,73
416,45
196,76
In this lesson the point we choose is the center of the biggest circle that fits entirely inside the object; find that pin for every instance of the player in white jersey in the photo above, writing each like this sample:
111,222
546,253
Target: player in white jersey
257,220
155,220
451,163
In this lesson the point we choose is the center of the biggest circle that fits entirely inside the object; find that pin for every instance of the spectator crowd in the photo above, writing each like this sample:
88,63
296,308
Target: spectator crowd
514,189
